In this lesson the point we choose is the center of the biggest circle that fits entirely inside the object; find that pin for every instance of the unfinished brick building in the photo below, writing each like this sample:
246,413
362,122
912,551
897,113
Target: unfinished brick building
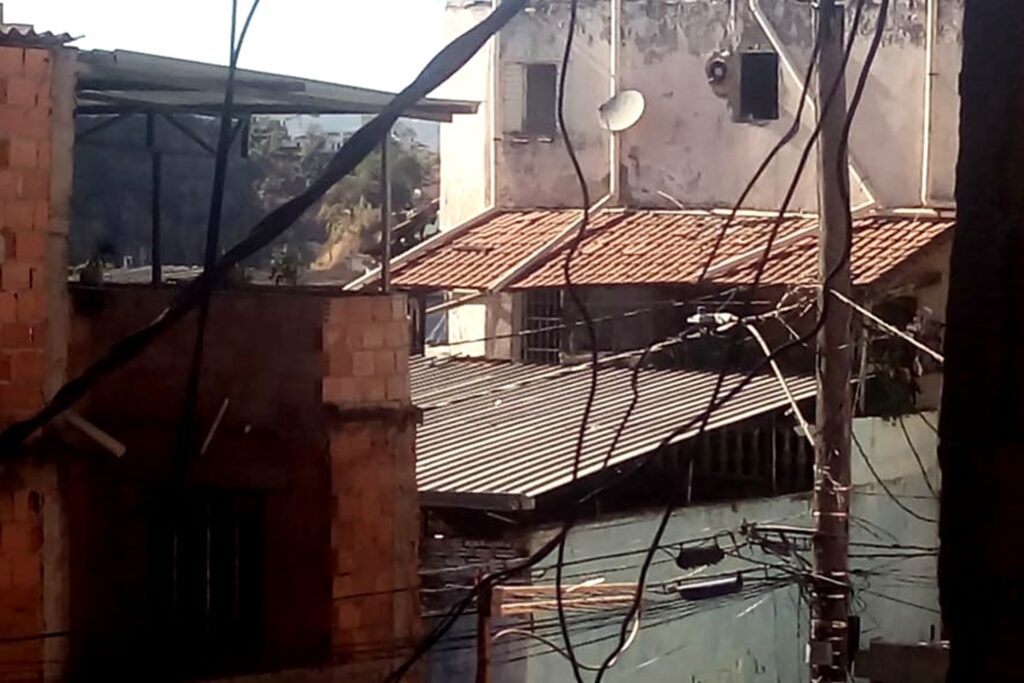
294,545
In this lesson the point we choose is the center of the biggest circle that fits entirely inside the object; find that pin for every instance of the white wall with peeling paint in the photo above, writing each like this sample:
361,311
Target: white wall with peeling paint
686,145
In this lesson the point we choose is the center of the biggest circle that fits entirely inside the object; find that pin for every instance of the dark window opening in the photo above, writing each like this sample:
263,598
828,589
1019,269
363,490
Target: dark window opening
543,324
759,86
541,99
207,575
894,367
435,325
761,458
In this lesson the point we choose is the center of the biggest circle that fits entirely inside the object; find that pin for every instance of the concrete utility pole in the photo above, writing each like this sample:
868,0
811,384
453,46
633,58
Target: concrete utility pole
829,648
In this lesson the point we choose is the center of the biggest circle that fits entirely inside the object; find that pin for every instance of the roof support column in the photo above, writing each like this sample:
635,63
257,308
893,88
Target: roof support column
156,175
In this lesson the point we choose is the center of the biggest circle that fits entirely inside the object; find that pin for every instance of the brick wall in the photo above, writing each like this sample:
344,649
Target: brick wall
319,405
36,103
375,615
31,573
36,111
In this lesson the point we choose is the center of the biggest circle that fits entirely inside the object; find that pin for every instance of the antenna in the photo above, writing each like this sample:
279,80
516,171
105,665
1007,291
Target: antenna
622,111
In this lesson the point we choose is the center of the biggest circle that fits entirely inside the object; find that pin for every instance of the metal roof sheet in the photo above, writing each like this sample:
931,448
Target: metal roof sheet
509,429
120,80
21,35
659,247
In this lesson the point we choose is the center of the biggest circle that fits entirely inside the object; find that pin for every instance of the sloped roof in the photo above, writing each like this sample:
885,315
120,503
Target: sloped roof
880,245
659,247
23,35
504,431
479,256
111,82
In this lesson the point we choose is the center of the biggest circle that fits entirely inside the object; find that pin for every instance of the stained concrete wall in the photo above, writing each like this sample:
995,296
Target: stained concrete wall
686,144
466,173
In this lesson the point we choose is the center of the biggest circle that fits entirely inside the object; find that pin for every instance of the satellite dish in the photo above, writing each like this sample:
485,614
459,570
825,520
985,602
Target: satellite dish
622,111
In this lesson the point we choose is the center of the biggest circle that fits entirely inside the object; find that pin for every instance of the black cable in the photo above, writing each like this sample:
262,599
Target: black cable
888,491
213,225
362,143
917,457
786,138
554,542
666,516
928,423
584,312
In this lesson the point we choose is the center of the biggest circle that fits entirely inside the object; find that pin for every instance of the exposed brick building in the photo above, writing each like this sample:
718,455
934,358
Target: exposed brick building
294,544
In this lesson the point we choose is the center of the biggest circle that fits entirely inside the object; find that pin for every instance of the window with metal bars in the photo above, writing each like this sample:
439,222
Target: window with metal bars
208,555
542,320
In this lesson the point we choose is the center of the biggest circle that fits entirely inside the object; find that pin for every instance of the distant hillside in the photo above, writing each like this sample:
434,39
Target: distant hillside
427,133
111,195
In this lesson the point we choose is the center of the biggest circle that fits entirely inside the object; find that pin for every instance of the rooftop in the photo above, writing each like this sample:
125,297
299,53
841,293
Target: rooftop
658,247
120,81
498,434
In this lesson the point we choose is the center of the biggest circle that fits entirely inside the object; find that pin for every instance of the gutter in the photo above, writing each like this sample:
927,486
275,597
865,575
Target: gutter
929,75
509,502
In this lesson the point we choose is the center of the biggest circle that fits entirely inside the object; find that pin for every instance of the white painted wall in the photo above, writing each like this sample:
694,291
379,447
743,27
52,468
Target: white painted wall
686,144
465,143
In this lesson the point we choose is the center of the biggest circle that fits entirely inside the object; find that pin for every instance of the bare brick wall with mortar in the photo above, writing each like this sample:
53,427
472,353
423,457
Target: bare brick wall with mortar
325,379
36,110
36,100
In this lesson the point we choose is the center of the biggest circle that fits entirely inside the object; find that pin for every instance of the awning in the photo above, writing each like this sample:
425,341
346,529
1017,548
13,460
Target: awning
123,82
499,434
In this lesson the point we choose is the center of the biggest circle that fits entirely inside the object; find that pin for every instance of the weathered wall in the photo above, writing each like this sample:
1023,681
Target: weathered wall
686,144
761,639
466,173
448,563
319,420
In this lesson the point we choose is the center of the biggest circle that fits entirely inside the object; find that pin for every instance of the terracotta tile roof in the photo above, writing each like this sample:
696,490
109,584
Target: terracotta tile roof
659,247
880,245
484,252
655,247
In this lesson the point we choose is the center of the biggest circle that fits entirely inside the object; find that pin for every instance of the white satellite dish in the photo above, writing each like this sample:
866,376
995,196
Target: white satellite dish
622,111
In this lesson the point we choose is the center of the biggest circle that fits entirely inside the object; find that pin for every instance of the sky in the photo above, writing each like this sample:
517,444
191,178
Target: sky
370,43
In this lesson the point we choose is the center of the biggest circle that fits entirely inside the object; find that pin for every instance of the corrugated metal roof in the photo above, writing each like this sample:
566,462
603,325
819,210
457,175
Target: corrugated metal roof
21,35
121,80
509,429
658,247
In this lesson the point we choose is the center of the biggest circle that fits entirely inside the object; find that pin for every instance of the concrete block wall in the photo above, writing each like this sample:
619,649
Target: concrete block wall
373,484
36,105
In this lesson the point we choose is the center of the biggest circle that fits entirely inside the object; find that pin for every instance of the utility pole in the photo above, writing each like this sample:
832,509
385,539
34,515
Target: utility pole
829,647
